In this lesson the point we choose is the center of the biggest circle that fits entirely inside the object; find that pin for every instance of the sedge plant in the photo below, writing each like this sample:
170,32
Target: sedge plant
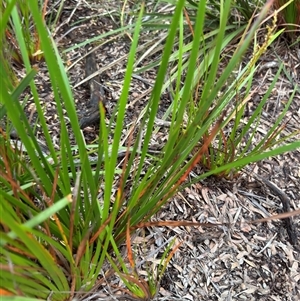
229,145
239,140
63,220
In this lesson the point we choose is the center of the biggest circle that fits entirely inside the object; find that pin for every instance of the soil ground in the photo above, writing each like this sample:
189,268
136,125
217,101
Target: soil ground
236,261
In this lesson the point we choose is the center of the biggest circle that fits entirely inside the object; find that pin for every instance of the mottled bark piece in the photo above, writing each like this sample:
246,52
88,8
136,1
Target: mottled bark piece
97,94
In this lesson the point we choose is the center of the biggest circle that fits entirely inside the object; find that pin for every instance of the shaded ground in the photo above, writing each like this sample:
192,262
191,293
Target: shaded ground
234,262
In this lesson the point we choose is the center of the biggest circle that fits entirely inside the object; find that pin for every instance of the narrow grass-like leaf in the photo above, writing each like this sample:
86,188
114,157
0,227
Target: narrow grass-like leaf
249,159
5,16
38,219
42,255
19,89
61,89
14,111
155,97
110,161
